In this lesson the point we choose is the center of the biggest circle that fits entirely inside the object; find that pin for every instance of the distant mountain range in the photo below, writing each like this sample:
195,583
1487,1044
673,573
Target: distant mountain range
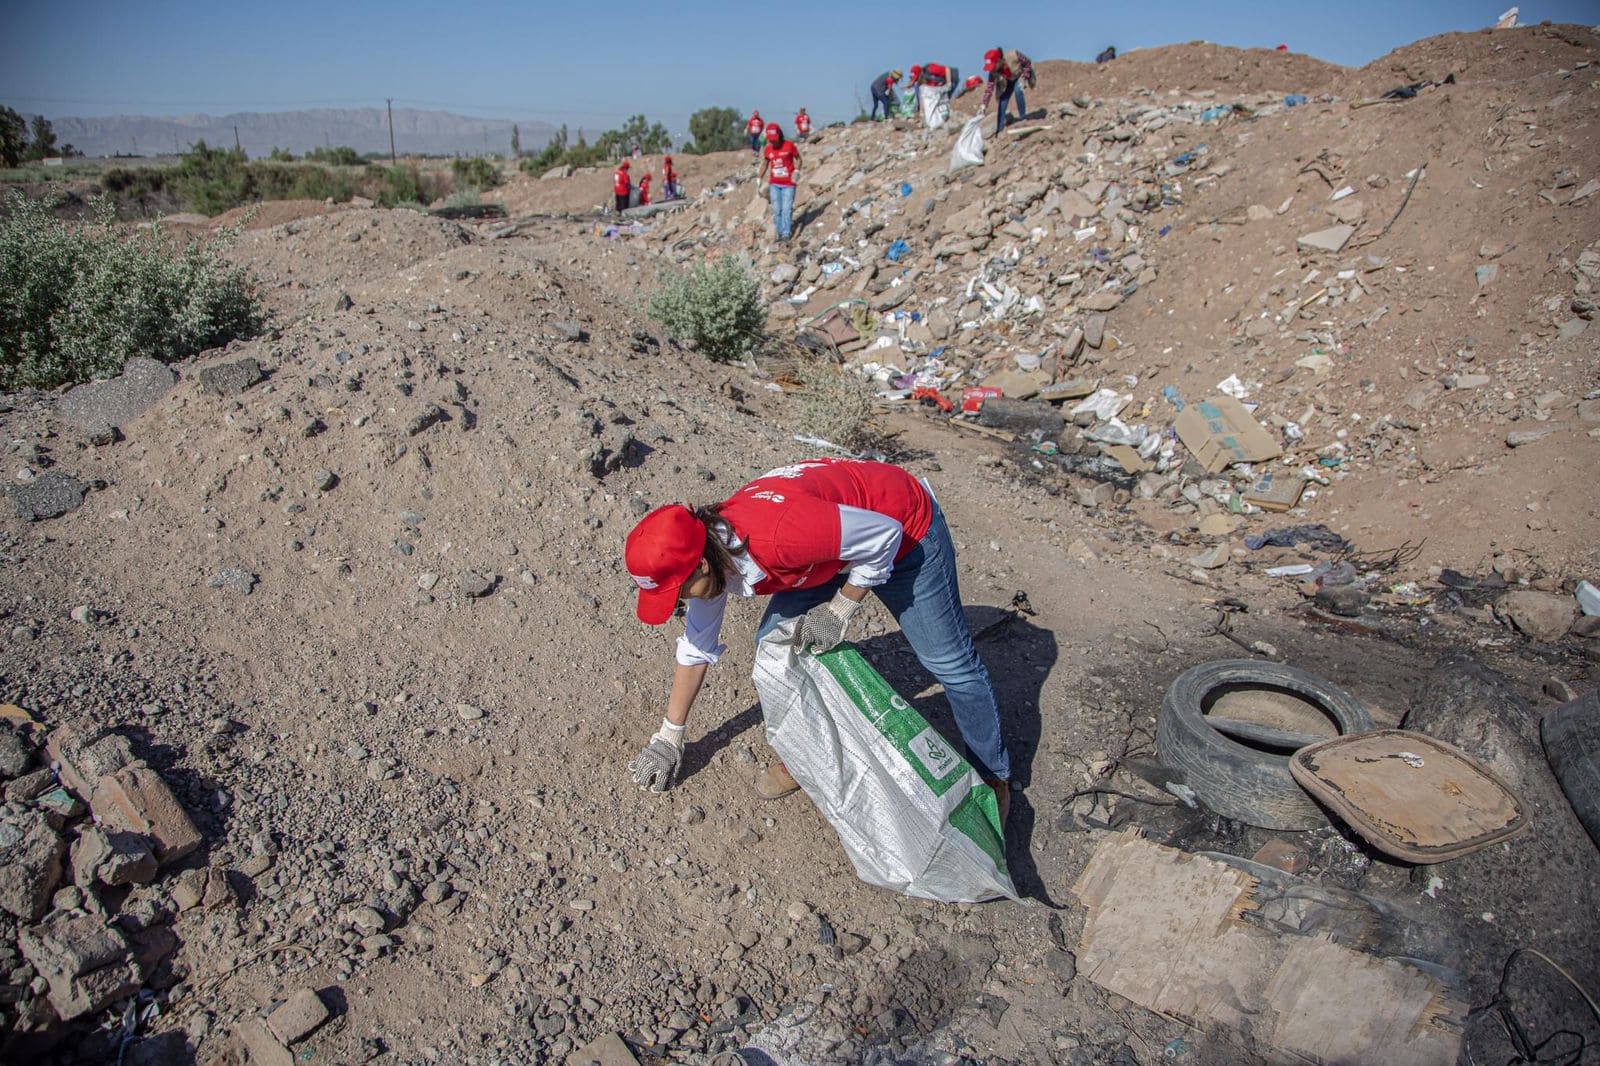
364,129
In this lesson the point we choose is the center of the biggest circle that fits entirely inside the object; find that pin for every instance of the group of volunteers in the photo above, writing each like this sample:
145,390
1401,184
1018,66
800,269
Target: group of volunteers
1007,69
629,194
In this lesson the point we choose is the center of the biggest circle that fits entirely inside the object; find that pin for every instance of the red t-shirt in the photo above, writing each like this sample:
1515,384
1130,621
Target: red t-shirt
782,161
668,174
754,126
644,190
802,123
789,518
621,182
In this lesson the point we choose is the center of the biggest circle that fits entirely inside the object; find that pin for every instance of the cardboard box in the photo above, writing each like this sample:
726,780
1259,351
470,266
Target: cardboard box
1220,432
1276,491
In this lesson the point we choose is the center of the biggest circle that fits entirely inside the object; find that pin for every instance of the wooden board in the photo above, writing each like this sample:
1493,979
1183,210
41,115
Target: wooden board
1410,795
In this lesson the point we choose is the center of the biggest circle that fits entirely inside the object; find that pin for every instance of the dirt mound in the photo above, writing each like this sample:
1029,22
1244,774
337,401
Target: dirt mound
269,213
1197,66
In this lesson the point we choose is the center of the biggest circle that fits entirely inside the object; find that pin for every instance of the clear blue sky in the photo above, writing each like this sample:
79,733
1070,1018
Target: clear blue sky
592,64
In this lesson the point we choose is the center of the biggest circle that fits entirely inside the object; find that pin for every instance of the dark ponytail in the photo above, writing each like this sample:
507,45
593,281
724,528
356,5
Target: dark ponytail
719,531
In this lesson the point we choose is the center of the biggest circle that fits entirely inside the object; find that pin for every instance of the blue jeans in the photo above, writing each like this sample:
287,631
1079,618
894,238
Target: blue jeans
755,141
1000,116
923,596
1022,105
782,197
885,101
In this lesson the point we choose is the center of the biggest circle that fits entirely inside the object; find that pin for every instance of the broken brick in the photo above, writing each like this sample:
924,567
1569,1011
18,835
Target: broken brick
86,963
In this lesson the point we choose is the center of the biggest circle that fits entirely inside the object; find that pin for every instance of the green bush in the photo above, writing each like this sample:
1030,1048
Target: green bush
718,307
211,180
342,156
393,186
476,173
77,302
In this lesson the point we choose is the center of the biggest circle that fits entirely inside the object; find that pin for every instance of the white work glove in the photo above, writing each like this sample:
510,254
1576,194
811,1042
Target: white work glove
656,767
823,627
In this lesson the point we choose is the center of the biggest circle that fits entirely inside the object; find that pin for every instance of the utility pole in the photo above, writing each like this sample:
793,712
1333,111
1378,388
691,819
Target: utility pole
236,147
390,105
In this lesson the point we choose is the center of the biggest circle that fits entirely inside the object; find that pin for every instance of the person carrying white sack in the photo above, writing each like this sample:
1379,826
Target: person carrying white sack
816,536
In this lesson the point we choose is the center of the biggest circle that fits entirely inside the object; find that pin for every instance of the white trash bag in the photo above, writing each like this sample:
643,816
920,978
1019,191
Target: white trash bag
968,150
911,813
935,106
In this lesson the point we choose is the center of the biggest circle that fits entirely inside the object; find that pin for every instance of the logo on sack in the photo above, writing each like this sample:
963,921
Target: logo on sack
937,757
644,582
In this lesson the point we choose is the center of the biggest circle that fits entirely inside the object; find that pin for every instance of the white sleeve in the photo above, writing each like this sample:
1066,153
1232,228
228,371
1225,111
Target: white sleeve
701,630
868,541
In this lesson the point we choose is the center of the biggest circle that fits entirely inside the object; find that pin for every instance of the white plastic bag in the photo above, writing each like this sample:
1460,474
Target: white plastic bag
911,813
968,150
935,106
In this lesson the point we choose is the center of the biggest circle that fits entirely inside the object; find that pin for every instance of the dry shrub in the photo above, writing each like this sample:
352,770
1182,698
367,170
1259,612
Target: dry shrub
836,404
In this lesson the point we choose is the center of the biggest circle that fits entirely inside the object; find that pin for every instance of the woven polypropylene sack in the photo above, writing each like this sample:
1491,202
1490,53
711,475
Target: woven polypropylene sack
968,149
911,813
935,102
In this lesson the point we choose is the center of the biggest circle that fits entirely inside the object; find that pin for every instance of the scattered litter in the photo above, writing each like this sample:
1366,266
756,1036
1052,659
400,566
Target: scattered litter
1295,100
897,251
1105,404
1314,534
1293,570
1232,386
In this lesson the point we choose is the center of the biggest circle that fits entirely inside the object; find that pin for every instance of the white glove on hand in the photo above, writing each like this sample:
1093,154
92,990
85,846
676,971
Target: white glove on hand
656,767
823,627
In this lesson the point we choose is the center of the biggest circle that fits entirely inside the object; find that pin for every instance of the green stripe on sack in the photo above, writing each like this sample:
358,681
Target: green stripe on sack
978,817
937,762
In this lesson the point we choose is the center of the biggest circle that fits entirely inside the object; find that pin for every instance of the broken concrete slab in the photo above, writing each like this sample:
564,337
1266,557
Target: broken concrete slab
230,379
262,1047
608,1050
85,753
1542,616
891,298
112,858
87,964
30,864
50,494
1104,300
298,1016
99,406
1094,330
137,799
1333,239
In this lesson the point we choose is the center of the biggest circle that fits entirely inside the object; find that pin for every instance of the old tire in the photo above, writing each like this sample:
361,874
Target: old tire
1571,736
1246,783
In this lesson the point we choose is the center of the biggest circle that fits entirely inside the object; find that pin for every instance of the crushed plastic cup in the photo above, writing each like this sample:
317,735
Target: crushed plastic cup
1588,598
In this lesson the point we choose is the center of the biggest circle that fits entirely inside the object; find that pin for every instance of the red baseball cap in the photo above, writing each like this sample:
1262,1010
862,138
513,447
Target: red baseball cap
661,554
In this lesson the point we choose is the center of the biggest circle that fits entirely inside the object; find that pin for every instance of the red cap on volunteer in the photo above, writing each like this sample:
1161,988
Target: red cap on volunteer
661,554
774,134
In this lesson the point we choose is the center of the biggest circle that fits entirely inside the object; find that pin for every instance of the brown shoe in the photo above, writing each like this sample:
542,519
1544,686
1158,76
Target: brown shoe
775,782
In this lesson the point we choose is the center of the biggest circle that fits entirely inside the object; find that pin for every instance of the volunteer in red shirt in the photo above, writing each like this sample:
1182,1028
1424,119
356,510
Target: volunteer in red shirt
644,190
669,180
802,125
780,165
816,536
622,185
752,130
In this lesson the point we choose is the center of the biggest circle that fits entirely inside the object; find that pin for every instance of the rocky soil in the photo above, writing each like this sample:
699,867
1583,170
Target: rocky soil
353,590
